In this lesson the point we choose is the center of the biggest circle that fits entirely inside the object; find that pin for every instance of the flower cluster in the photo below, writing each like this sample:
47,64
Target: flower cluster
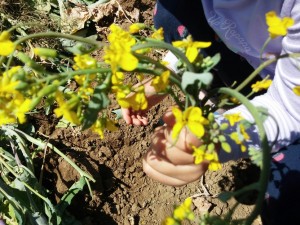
181,213
278,26
13,104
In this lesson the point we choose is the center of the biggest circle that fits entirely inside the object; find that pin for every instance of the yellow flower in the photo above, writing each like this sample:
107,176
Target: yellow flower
169,221
240,137
277,26
65,108
85,92
296,90
136,101
183,211
158,34
84,62
136,27
117,78
118,53
101,124
192,118
233,118
6,45
191,47
203,154
161,82
261,85
21,108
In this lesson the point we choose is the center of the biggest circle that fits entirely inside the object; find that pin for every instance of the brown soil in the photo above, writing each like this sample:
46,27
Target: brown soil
122,193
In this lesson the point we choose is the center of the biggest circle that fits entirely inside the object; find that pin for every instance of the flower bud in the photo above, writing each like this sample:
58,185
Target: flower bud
45,52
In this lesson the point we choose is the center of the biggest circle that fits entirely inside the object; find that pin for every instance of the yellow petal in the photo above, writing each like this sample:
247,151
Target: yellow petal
176,129
129,62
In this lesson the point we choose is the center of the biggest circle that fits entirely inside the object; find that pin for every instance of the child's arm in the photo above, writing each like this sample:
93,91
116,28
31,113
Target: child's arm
171,162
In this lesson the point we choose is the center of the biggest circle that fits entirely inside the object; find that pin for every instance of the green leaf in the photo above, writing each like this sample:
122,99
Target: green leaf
98,102
263,113
192,83
67,198
256,156
118,113
225,196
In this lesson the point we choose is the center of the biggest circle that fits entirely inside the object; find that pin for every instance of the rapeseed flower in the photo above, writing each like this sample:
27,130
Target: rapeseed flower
202,153
170,221
239,137
161,82
136,101
184,211
158,34
101,124
6,45
233,118
65,108
261,85
277,26
191,47
136,27
84,62
118,53
14,105
117,78
192,118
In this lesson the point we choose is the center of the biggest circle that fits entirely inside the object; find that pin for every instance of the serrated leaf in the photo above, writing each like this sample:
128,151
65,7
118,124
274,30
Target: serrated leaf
98,102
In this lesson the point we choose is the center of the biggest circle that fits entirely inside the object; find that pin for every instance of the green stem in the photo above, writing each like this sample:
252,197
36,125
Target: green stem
51,34
262,66
152,43
265,169
174,96
43,145
263,47
174,77
73,73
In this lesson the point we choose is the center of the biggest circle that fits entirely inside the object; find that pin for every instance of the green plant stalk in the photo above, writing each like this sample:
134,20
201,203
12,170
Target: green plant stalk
25,152
54,35
43,145
174,96
71,74
152,43
264,176
263,47
262,66
174,77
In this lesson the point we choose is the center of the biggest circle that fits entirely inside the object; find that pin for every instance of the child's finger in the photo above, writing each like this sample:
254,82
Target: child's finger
168,152
126,115
169,118
185,140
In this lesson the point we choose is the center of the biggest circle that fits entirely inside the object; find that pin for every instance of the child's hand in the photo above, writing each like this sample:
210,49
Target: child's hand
170,162
139,118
